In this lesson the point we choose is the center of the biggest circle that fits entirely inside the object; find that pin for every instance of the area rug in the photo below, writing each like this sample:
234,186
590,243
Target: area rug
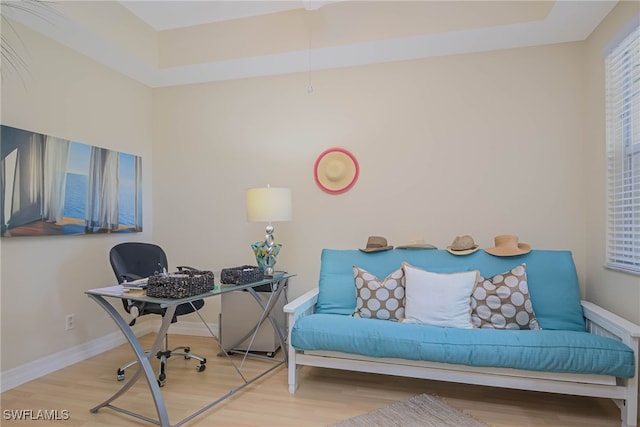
424,410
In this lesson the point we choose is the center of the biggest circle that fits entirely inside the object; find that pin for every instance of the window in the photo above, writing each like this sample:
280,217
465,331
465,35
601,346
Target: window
623,153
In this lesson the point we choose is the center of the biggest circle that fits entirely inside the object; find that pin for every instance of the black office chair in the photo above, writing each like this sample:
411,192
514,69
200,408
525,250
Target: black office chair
131,261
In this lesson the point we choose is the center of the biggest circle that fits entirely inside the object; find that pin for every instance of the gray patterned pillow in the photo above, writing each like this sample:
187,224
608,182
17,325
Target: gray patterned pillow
379,299
503,302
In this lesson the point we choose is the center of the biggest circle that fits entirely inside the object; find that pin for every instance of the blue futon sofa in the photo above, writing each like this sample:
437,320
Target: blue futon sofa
580,348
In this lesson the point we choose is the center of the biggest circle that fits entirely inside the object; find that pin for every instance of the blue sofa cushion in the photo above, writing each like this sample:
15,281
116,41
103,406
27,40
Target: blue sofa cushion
541,350
551,275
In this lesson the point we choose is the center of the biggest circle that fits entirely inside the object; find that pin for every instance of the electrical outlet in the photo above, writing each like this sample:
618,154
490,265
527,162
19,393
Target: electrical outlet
69,322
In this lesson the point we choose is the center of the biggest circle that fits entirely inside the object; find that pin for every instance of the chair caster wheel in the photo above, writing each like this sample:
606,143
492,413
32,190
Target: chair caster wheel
161,379
186,356
201,367
187,349
120,375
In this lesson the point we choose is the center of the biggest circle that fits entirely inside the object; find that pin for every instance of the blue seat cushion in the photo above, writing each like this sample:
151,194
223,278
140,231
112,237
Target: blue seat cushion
534,350
551,276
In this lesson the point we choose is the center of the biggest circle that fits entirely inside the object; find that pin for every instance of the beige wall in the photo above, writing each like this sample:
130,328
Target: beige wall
483,144
64,94
616,291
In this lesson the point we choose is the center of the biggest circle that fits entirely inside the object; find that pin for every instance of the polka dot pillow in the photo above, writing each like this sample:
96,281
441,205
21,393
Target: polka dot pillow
379,299
503,302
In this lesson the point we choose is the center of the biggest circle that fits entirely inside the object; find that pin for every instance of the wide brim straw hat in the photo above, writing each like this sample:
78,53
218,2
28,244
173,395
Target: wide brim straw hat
336,170
375,244
508,245
463,245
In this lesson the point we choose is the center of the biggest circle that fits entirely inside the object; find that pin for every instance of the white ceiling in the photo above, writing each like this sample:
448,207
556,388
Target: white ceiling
567,21
166,15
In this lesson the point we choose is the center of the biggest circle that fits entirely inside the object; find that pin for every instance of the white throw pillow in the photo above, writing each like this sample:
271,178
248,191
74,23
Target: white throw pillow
438,299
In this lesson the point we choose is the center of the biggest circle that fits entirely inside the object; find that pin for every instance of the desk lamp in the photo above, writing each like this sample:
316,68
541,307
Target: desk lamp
268,204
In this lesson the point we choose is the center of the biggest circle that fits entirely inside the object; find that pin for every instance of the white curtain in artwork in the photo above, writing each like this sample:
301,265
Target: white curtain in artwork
56,155
138,194
102,190
26,194
7,177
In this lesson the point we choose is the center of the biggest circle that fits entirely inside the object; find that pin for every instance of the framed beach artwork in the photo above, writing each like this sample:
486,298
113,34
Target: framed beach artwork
54,186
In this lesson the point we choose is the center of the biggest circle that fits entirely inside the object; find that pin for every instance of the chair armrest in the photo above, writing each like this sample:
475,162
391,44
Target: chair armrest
605,323
300,307
130,277
186,267
303,302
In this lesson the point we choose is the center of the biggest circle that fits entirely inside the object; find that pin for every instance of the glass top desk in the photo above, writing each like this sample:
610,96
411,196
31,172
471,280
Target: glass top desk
277,284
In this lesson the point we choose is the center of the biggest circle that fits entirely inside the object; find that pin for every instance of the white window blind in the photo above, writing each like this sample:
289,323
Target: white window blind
623,154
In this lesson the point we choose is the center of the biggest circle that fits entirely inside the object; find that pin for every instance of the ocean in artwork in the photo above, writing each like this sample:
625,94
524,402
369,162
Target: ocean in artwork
75,199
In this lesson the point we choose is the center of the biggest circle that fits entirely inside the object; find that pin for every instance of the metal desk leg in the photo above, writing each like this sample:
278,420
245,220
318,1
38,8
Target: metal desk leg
266,314
143,361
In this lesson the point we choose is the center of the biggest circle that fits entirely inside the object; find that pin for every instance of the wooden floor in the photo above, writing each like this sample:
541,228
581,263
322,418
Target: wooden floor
324,396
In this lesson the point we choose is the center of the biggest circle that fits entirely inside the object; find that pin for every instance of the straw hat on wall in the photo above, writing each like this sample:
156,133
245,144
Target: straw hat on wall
336,170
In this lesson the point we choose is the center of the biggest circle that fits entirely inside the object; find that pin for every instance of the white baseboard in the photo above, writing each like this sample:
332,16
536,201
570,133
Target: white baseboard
35,369
193,328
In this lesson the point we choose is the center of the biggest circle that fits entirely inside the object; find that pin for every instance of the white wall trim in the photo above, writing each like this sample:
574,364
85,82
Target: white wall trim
12,378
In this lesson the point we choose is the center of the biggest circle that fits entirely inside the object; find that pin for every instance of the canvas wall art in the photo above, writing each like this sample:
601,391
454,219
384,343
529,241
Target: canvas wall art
54,186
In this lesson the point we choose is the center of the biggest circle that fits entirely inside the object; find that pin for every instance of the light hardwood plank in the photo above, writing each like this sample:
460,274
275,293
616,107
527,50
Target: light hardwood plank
324,396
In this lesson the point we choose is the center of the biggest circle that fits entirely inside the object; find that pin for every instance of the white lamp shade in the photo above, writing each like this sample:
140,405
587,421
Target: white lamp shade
268,204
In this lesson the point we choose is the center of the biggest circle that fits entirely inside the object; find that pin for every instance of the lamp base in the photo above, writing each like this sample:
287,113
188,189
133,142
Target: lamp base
266,256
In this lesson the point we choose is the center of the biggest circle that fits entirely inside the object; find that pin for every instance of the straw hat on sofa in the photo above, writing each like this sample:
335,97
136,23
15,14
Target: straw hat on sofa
417,244
375,244
463,245
507,245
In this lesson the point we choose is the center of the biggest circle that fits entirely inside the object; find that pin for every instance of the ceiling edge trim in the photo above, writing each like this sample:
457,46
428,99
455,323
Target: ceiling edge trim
553,29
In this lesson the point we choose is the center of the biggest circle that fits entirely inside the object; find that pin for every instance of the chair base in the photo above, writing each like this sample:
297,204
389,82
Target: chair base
163,356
